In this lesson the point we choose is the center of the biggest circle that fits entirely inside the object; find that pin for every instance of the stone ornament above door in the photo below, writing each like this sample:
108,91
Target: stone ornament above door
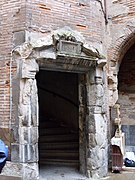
63,46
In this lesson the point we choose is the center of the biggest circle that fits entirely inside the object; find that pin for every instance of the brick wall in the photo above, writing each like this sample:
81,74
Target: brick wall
120,37
84,16
121,25
12,18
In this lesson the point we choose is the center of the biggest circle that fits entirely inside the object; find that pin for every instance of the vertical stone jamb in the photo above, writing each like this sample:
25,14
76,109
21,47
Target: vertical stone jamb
24,147
96,123
82,122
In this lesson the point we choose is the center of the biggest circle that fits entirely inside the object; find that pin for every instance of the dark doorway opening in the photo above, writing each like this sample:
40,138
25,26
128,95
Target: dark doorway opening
126,87
58,118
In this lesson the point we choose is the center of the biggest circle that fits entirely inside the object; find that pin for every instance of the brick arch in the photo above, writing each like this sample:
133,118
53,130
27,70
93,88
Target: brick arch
123,43
116,53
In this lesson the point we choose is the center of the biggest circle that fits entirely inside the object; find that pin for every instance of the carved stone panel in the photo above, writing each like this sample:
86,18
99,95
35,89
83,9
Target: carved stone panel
69,47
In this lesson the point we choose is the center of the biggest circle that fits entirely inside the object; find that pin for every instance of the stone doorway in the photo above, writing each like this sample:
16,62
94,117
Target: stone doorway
58,118
63,51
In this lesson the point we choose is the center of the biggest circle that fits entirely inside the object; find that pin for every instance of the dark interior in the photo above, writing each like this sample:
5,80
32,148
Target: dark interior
58,118
126,74
126,87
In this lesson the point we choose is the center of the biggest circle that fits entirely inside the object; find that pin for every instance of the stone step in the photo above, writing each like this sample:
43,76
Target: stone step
48,124
60,146
46,161
59,154
59,138
56,130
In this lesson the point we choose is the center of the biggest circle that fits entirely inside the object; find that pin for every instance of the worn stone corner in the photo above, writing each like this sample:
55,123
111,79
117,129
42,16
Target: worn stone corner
23,50
90,50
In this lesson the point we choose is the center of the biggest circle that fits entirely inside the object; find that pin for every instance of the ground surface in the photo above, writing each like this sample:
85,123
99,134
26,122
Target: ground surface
121,176
60,173
68,173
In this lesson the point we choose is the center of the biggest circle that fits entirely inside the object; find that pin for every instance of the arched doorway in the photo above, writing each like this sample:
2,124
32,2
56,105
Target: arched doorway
126,88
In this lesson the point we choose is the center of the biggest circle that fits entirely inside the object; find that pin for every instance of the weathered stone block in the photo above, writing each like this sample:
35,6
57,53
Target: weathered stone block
91,140
30,171
90,124
15,149
98,110
98,80
13,170
34,105
47,53
14,134
99,73
28,153
91,95
101,130
91,75
100,90
18,38
97,162
29,68
101,62
29,135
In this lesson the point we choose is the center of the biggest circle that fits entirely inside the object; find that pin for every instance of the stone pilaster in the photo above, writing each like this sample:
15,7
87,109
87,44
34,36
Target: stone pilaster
96,125
24,147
